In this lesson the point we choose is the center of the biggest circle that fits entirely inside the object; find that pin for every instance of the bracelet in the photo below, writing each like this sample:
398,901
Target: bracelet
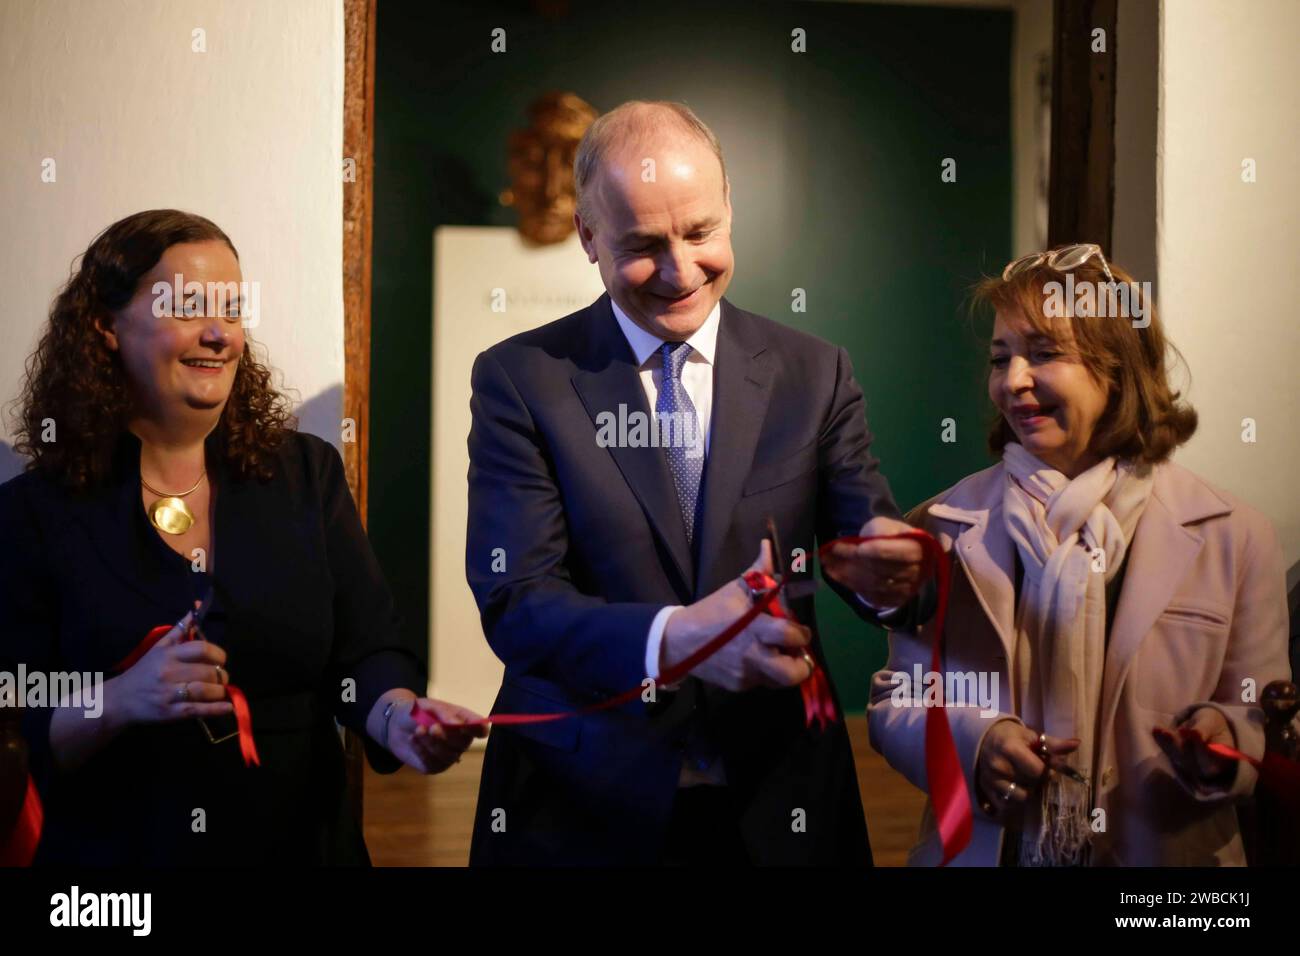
388,713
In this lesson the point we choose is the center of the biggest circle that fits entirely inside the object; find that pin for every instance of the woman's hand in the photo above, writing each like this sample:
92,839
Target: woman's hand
432,749
1187,748
1009,768
176,679
146,693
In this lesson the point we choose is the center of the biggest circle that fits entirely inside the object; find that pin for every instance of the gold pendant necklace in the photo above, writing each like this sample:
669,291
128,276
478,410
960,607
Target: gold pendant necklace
169,513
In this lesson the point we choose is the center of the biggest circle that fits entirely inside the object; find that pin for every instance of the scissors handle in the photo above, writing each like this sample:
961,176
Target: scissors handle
778,565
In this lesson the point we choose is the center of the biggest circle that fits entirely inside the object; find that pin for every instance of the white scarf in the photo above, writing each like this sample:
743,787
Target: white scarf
1072,535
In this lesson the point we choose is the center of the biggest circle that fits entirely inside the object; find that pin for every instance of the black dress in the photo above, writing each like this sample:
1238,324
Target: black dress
301,608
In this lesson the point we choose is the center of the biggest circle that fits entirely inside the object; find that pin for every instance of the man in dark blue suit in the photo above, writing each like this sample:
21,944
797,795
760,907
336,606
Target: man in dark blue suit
623,462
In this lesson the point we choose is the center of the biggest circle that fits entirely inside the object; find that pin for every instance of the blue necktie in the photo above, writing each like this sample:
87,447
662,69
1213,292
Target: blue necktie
686,450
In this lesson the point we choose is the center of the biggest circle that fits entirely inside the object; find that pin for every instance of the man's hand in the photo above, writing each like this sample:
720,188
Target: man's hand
765,654
885,573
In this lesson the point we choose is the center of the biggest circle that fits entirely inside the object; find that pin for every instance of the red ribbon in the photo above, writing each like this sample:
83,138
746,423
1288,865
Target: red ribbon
818,704
1276,773
669,676
243,716
1232,753
243,721
949,795
19,848
948,791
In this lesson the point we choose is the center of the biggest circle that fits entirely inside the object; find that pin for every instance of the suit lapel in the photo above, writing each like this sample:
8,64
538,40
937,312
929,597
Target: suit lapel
609,379
988,563
741,390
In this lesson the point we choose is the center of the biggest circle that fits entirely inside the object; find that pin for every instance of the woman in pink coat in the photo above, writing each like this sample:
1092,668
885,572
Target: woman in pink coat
1099,592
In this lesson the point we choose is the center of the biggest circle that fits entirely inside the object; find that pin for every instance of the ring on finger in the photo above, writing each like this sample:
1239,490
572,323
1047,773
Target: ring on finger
812,664
221,674
183,692
1006,795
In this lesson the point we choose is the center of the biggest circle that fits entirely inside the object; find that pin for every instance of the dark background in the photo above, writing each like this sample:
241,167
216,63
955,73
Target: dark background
834,157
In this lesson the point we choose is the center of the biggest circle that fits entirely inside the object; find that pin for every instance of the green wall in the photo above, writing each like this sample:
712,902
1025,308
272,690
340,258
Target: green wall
834,157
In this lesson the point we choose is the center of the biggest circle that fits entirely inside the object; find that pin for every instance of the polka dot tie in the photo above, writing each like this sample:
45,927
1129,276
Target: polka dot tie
685,451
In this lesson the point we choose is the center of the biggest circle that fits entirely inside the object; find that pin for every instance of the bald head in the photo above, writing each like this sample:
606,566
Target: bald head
631,132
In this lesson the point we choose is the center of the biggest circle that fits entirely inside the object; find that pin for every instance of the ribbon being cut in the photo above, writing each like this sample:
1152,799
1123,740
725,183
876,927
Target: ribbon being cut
948,792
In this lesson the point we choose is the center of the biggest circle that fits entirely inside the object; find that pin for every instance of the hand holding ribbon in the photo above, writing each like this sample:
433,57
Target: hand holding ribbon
1200,748
429,747
738,597
818,702
174,674
767,653
883,563
949,794
948,791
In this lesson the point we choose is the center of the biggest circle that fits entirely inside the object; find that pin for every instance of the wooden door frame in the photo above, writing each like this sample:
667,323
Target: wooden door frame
1081,182
358,210
358,229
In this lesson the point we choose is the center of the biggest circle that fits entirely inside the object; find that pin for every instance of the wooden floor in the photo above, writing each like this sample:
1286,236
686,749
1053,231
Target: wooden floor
413,820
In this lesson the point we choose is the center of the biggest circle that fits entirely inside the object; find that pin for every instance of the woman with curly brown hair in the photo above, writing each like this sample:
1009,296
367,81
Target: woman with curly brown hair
1121,607
165,470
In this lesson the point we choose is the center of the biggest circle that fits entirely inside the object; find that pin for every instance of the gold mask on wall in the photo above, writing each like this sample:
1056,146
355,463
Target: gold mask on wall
541,166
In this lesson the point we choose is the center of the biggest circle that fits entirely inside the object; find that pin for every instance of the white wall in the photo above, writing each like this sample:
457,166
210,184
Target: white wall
1230,89
248,134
